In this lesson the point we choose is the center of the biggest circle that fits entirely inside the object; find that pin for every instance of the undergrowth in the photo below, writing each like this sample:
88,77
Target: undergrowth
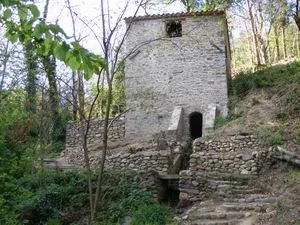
62,198
282,81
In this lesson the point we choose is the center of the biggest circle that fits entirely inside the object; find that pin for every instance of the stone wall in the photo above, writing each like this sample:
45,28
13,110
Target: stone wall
237,156
73,134
187,71
73,152
141,161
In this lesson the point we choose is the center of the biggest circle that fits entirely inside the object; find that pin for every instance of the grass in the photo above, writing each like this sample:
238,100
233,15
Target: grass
294,176
281,83
273,76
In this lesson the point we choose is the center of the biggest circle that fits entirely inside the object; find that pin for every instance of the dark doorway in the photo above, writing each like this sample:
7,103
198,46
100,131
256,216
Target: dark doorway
169,192
195,122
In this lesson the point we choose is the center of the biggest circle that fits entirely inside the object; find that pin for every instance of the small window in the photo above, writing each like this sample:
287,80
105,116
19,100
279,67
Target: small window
174,28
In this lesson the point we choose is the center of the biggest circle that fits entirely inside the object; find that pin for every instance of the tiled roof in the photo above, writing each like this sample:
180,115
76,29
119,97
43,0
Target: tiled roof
180,14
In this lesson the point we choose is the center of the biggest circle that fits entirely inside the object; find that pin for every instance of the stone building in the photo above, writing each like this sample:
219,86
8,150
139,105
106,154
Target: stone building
177,73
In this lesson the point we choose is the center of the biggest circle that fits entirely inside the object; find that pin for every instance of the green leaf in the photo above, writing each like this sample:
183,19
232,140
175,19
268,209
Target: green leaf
47,45
88,68
7,14
87,72
34,10
39,30
60,51
76,45
13,38
73,63
23,12
55,28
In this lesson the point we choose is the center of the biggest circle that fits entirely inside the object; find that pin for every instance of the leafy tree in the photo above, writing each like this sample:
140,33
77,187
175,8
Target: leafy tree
194,5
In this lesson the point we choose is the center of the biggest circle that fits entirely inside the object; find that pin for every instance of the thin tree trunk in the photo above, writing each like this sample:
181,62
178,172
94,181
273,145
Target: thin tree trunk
298,44
105,145
31,66
74,96
255,39
277,42
50,69
4,63
284,42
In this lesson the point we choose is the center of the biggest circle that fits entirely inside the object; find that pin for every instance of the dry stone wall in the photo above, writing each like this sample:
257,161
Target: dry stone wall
142,161
236,154
73,135
239,156
73,152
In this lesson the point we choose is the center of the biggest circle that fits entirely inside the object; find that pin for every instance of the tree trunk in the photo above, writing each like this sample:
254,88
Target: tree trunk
298,44
277,42
74,96
105,144
49,64
254,33
31,66
297,15
4,63
284,42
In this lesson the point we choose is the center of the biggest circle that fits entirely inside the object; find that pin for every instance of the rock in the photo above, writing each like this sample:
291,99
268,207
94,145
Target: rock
185,217
254,154
248,214
254,169
244,171
195,183
126,221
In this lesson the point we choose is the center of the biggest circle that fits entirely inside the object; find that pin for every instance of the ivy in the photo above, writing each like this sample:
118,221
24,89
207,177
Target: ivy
47,39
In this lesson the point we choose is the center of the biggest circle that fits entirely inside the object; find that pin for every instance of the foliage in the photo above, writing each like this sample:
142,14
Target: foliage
221,121
59,194
273,76
46,38
61,197
194,5
17,151
129,199
294,176
118,94
276,138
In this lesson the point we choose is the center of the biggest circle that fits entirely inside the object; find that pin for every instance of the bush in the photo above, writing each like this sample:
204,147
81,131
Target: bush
276,138
127,199
58,193
272,76
221,121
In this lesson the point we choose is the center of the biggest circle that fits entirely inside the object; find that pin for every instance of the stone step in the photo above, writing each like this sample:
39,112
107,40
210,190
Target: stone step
224,182
265,199
222,215
216,222
245,191
233,187
254,206
237,193
228,176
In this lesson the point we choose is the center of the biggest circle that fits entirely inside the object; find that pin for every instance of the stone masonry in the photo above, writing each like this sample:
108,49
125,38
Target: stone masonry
237,155
73,152
189,70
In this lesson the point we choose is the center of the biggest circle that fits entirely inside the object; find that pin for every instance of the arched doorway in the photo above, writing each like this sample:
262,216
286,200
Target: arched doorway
195,123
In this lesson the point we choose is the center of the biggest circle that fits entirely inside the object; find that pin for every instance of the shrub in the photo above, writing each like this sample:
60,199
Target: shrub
221,121
276,138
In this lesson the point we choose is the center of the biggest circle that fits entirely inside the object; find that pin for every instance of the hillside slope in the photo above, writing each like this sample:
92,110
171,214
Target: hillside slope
267,103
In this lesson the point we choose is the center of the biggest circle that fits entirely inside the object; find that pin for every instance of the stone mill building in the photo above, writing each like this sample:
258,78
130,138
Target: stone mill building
177,73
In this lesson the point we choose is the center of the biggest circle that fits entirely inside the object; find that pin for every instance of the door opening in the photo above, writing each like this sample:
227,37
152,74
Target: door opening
195,123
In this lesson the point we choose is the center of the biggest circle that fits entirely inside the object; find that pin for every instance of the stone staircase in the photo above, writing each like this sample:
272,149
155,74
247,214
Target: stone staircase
234,202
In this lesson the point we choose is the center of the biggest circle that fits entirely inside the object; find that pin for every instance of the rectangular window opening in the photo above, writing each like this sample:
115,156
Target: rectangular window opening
174,28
